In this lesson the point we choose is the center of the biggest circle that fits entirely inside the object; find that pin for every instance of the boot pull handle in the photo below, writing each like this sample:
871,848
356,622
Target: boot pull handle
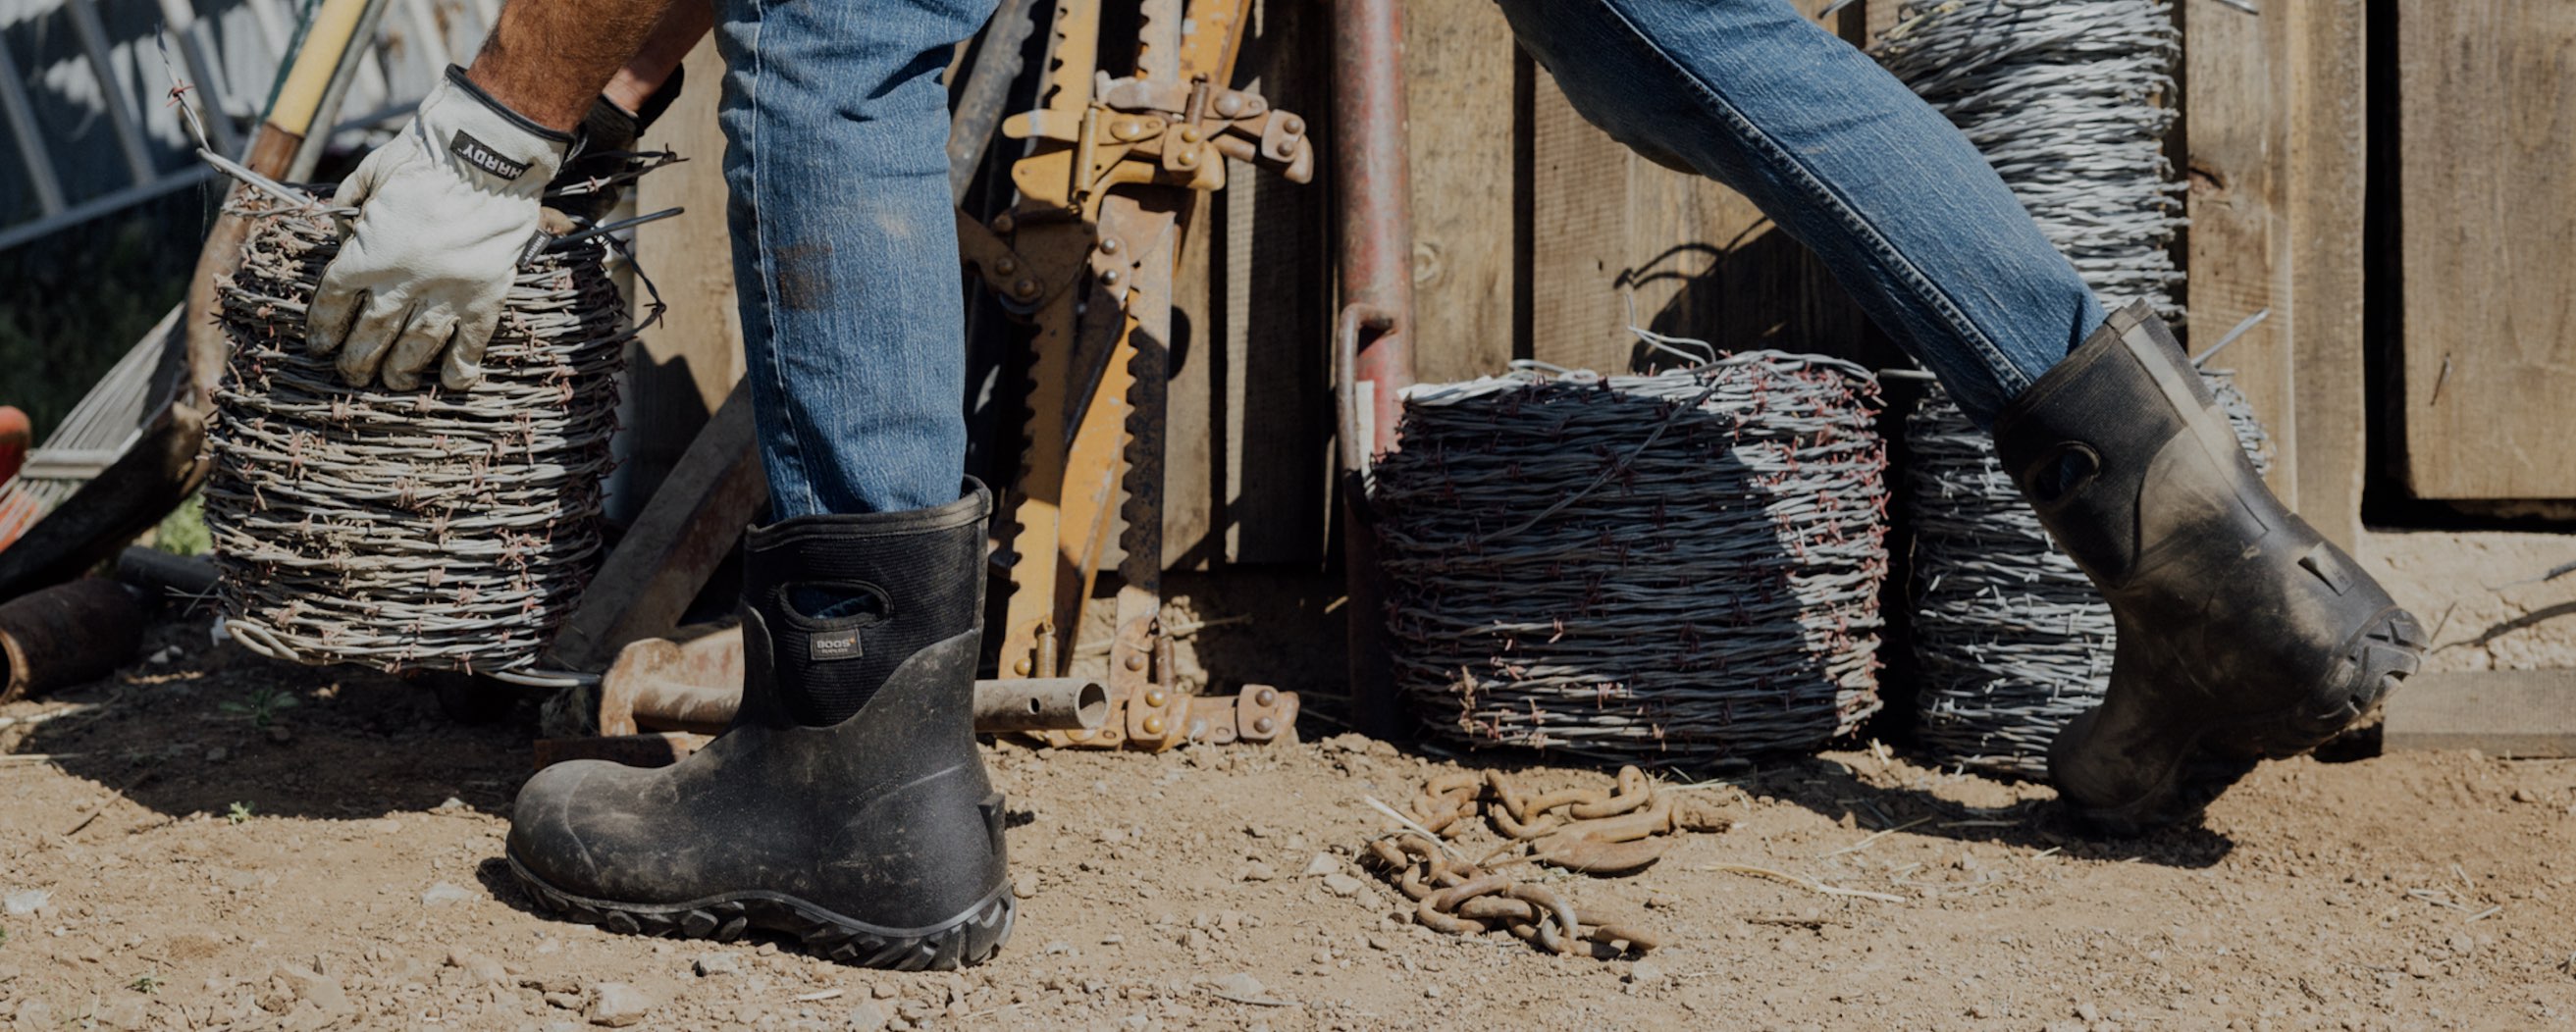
2060,472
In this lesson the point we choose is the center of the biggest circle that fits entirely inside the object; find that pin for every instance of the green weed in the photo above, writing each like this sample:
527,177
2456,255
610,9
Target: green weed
262,706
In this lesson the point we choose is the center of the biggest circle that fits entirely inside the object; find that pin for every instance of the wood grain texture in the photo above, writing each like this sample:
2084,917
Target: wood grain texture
1271,413
1700,260
2526,714
679,372
1458,83
2328,167
1190,465
1579,242
2236,122
2487,127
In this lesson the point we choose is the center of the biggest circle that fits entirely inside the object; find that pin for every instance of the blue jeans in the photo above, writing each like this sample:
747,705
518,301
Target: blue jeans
1912,221
846,262
844,248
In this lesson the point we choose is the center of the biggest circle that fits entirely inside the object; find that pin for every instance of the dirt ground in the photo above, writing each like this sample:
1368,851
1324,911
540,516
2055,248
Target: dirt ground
211,840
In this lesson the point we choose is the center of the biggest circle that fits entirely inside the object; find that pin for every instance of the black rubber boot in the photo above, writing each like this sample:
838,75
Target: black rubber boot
846,805
2243,635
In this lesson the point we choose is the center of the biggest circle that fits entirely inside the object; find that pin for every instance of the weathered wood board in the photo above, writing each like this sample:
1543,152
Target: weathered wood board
2327,163
2530,714
1462,79
2487,174
679,372
2236,116
1613,233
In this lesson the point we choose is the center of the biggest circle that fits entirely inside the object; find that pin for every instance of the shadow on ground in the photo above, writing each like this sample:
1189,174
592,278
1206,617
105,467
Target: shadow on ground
209,728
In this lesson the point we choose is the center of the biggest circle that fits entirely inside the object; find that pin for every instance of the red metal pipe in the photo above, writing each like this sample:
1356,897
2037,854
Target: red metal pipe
1374,184
1373,335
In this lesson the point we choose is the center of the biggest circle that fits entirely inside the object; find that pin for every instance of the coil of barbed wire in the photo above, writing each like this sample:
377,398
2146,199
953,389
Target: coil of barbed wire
2070,101
403,530
1669,570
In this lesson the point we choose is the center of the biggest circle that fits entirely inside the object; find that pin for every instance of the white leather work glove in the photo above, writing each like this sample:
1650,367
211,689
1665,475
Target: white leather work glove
444,212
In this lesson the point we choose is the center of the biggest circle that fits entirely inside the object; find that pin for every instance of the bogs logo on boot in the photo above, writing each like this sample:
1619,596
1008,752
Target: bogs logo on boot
833,645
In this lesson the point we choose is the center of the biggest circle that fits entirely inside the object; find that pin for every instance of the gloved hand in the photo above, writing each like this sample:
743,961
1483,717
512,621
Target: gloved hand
585,190
445,211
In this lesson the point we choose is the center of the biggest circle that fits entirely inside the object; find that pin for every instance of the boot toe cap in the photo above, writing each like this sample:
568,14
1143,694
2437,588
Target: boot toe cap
556,831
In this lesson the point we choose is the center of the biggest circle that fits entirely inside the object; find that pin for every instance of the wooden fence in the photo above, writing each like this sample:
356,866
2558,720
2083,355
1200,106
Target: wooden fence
1528,221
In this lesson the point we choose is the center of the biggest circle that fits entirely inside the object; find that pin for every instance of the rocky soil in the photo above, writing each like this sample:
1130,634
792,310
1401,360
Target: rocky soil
210,840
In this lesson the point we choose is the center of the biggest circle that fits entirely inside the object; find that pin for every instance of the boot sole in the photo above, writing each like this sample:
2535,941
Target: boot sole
970,938
2214,757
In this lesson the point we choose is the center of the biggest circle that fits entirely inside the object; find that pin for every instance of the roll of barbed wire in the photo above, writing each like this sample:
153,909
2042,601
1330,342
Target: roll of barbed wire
2067,99
1672,569
428,529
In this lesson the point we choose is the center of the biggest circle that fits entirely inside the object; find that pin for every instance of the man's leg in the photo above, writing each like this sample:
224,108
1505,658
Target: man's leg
846,805
2243,634
845,251
1910,218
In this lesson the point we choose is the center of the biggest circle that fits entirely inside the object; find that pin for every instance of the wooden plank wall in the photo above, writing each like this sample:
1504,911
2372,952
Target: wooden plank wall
1527,221
2272,109
1256,488
1532,227
2487,186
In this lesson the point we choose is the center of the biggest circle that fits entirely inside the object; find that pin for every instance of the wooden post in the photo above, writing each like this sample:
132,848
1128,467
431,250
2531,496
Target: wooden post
2327,167
2236,117
680,371
1459,84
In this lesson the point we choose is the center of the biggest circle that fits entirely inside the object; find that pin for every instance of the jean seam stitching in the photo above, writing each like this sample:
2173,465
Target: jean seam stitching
786,416
2008,375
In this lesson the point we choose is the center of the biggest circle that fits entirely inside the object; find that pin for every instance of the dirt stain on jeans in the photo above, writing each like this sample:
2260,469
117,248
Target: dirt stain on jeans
805,275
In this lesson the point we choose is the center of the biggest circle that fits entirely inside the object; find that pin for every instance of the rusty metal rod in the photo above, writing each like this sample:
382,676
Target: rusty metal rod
691,682
1040,704
1008,704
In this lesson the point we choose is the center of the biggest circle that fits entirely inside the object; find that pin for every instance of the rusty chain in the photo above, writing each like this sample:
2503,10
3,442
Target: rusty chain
1594,831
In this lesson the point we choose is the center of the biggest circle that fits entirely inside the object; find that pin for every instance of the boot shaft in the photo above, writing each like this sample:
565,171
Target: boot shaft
833,605
2121,448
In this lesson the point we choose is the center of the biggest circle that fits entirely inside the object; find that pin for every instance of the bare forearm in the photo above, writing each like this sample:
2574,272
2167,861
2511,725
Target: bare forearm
548,59
679,31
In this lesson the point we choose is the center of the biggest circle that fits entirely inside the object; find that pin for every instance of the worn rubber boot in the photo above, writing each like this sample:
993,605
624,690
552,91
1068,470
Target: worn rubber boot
846,805
2243,635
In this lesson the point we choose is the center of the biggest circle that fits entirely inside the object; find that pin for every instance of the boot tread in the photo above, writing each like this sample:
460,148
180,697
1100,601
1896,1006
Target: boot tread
970,938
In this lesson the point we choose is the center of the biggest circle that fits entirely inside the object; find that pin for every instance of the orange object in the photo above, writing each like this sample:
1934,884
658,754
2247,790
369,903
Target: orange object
15,439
